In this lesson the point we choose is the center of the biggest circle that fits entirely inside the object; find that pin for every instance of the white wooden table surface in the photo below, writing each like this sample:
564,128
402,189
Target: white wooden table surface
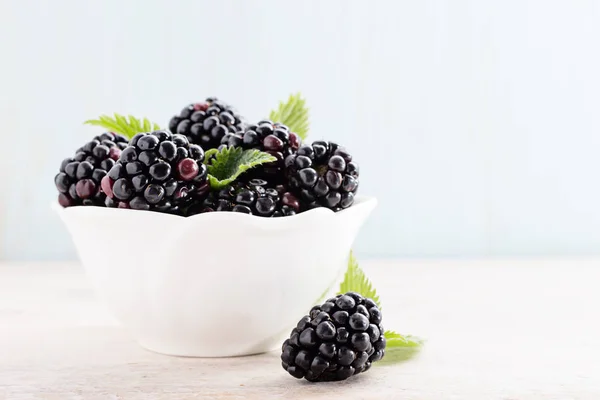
510,330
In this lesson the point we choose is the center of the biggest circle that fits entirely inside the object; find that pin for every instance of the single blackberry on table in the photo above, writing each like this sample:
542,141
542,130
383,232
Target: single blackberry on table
254,197
338,339
273,138
206,123
78,181
158,171
324,175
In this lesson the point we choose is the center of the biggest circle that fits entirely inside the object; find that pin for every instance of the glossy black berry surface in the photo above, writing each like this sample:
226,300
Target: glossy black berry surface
338,339
158,171
206,123
256,197
79,178
323,175
273,138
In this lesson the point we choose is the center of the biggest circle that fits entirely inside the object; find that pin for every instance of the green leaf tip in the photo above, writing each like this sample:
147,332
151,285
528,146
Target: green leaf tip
209,155
227,165
395,339
294,114
127,126
355,280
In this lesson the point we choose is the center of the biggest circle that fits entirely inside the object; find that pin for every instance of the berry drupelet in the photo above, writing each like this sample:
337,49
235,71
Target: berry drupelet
340,338
324,175
273,138
206,123
78,181
255,197
158,171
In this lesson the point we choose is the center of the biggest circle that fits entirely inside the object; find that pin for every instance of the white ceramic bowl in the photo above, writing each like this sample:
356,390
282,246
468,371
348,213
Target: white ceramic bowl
215,284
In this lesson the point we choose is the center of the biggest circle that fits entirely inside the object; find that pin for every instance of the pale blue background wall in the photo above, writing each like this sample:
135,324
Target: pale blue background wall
476,123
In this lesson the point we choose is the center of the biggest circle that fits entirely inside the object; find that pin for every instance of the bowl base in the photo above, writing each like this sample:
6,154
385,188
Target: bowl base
176,350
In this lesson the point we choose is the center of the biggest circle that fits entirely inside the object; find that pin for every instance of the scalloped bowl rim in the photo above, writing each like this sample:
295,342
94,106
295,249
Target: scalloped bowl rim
359,202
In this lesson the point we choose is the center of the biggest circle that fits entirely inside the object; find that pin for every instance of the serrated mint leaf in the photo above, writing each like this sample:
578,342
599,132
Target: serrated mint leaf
397,355
229,163
209,155
122,121
395,339
215,183
355,280
294,114
398,347
126,126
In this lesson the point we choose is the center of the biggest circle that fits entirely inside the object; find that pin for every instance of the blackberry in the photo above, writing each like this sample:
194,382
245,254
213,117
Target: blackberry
324,175
273,138
158,171
78,181
338,339
255,197
206,123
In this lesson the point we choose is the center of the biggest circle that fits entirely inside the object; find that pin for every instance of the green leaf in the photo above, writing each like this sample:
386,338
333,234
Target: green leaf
209,155
229,163
294,114
395,339
397,355
126,126
122,121
398,347
355,280
104,124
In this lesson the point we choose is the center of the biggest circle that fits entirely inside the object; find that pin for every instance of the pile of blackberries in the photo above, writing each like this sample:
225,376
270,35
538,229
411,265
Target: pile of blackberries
165,170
